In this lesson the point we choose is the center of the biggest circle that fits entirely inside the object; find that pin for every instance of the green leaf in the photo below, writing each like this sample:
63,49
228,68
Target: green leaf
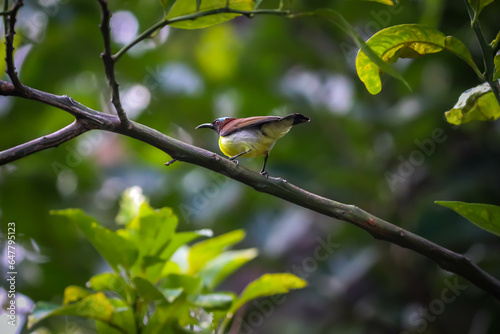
147,290
167,5
220,301
475,104
116,250
183,238
385,2
112,282
167,316
187,7
365,49
204,251
73,294
478,5
121,321
486,216
189,284
130,204
257,3
268,285
405,41
95,306
152,230
225,264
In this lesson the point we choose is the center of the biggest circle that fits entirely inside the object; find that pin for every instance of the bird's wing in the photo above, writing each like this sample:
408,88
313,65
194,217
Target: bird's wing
245,123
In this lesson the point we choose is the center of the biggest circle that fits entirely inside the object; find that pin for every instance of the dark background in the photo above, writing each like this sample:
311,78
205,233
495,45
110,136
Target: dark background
264,66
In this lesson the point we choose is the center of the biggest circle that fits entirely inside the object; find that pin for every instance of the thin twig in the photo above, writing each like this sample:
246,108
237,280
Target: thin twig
9,28
109,63
150,31
488,52
378,228
52,140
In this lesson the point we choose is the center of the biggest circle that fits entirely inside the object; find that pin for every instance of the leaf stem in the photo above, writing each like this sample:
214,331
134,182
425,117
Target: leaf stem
150,31
488,52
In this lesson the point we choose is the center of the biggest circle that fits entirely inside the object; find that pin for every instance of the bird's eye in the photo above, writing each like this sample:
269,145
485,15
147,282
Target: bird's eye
217,121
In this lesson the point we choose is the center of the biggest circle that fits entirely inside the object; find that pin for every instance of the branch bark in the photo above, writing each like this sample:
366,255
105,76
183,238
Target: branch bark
52,140
377,227
9,28
109,63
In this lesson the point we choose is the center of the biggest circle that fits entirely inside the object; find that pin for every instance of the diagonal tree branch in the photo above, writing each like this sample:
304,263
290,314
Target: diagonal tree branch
9,28
377,227
109,63
52,140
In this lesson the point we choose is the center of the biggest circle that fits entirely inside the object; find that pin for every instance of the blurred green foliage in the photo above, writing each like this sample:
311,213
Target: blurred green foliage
277,66
158,277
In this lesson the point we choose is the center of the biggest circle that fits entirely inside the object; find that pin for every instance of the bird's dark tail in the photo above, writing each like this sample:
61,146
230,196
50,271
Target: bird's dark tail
297,118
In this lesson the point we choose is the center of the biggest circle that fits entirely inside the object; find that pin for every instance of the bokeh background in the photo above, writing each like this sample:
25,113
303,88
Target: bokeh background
262,66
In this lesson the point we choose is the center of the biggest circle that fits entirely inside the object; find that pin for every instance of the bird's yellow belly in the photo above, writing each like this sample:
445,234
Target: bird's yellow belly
242,141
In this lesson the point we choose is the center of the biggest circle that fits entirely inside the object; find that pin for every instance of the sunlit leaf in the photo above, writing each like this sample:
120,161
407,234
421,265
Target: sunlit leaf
486,216
475,104
224,265
95,306
116,250
73,294
268,285
213,301
182,8
204,251
405,41
112,282
385,2
367,51
130,203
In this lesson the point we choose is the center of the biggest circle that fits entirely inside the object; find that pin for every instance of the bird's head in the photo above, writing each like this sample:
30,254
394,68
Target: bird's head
216,125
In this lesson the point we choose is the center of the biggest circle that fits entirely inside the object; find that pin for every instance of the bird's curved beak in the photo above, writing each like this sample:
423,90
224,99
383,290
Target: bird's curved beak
206,125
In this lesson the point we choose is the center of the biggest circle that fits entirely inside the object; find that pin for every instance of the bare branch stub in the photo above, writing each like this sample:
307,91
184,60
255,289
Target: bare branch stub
9,28
109,63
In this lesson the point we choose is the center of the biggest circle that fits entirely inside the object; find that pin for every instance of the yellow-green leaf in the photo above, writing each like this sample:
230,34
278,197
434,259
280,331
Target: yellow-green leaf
73,294
224,265
268,285
204,251
96,306
385,2
475,104
187,7
337,19
486,216
405,41
112,282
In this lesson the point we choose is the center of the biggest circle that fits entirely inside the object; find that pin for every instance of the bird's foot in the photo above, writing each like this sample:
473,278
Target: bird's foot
235,161
264,173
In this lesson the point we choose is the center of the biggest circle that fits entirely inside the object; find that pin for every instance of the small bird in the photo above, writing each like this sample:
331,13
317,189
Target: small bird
252,136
